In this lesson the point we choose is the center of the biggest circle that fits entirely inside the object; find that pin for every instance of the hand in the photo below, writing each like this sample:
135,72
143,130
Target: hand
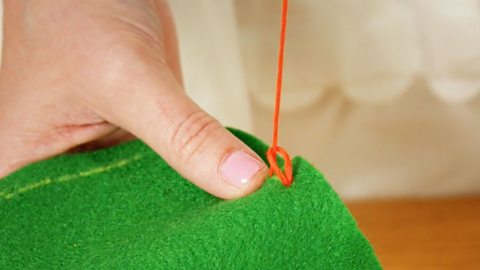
88,72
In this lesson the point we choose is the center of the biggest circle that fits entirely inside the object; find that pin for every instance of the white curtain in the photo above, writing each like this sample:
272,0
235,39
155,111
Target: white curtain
373,49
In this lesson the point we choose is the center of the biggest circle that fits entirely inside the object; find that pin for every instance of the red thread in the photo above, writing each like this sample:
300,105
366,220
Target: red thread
287,176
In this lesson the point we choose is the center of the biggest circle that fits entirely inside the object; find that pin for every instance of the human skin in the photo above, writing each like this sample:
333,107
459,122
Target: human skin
87,74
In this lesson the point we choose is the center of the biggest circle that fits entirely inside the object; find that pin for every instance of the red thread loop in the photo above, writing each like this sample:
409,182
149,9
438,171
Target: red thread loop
287,177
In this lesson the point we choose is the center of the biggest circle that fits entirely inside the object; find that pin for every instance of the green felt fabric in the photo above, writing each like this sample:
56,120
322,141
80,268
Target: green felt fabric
125,208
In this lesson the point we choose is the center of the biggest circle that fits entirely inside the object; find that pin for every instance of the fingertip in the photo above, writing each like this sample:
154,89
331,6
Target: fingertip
244,171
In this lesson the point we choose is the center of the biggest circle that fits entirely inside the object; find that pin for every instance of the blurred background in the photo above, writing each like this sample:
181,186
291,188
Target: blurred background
382,96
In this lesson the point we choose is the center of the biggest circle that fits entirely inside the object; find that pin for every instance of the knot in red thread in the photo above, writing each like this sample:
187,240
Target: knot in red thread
285,176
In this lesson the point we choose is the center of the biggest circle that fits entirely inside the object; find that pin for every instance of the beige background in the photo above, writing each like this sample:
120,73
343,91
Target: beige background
382,96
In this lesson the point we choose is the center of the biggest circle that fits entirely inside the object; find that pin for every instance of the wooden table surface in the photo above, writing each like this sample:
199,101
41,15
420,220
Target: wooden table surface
422,233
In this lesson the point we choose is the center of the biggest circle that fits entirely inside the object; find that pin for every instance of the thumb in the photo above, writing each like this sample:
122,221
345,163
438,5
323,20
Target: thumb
192,142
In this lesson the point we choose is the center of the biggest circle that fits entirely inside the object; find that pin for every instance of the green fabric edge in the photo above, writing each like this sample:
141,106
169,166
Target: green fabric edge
21,183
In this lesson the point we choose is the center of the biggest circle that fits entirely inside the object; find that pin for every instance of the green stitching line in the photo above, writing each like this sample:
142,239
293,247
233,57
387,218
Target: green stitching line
98,170
32,186
69,177
66,178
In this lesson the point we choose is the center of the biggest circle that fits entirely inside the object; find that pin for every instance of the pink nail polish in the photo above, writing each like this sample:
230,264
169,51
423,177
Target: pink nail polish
239,168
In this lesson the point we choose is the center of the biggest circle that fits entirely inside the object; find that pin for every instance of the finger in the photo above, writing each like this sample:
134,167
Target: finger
158,111
21,147
116,137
